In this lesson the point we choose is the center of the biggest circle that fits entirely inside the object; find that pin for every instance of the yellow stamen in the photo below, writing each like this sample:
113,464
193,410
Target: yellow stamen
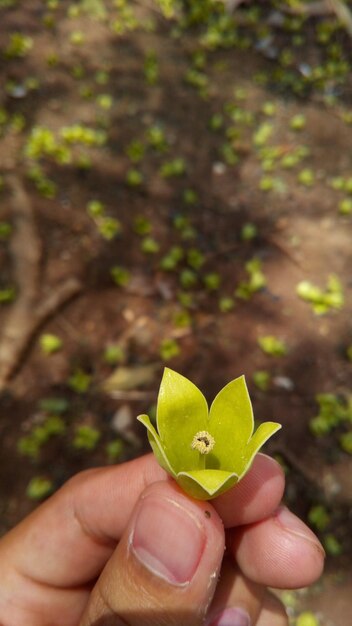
203,442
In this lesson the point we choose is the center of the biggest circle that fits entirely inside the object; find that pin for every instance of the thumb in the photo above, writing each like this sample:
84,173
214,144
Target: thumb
165,567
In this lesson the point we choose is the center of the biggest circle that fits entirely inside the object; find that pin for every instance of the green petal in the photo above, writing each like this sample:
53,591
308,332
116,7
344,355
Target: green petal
206,484
182,411
231,424
156,444
261,435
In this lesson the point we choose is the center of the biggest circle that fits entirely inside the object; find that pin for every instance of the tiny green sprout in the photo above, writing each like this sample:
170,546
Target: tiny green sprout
249,232
272,345
212,281
55,406
306,177
7,295
18,46
322,301
95,208
195,258
332,545
298,121
262,134
5,231
86,438
156,138
171,260
77,38
114,449
105,101
39,488
345,206
190,196
307,618
262,379
349,353
229,154
182,319
269,108
135,151
50,343
151,68
150,245
141,225
114,354
256,282
216,122
346,442
338,183
134,178
120,275
109,227
226,304
169,348
206,452
188,278
176,167
80,381
319,517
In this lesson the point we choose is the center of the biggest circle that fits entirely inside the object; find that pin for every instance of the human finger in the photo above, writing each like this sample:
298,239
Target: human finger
165,567
256,496
273,612
237,600
280,551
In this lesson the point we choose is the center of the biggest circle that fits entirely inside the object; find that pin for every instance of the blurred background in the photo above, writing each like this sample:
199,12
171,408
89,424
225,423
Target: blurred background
176,189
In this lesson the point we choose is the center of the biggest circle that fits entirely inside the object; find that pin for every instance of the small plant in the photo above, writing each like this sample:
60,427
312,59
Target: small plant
114,354
197,446
18,46
226,304
39,488
151,68
306,177
307,619
109,227
298,121
169,348
176,167
150,245
120,275
7,295
134,178
322,301
319,517
332,545
86,438
141,225
256,282
114,449
272,345
5,231
80,381
262,379
50,343
135,151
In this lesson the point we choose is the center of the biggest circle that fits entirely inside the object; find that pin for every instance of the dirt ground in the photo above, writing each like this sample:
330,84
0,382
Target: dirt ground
300,234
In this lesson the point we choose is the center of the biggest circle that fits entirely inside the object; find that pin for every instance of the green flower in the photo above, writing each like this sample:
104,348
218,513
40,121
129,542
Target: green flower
207,452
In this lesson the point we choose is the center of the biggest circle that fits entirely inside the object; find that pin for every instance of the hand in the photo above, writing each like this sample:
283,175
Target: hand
124,546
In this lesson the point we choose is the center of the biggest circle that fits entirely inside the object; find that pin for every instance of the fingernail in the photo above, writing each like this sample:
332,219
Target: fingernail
232,616
294,525
168,540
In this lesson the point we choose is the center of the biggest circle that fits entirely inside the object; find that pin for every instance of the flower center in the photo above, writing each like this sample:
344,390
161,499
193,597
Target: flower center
203,442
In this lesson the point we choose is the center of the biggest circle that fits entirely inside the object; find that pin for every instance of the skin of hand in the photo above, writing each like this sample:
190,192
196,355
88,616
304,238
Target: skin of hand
124,546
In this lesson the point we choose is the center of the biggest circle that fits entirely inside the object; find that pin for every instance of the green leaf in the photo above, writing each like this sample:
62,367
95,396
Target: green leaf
182,412
231,424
